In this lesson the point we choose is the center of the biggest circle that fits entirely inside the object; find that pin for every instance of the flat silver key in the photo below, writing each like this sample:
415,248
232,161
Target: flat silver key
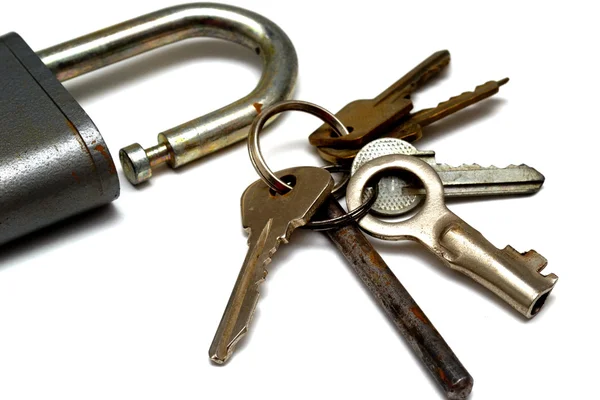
270,219
513,276
466,180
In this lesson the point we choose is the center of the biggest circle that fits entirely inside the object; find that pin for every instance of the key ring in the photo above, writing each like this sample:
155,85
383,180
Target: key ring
280,186
339,189
349,217
256,157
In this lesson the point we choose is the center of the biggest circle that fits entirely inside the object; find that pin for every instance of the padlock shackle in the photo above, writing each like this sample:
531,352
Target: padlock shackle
209,133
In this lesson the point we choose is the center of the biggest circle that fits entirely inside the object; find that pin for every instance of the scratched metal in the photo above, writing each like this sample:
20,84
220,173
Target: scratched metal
400,307
209,133
54,163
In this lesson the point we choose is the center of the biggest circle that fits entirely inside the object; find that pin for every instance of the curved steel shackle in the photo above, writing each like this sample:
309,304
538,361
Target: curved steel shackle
213,131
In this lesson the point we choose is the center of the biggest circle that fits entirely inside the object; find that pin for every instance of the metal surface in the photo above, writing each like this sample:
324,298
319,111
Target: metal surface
214,131
254,147
400,307
54,163
270,218
411,127
396,197
339,189
512,276
347,217
391,200
368,119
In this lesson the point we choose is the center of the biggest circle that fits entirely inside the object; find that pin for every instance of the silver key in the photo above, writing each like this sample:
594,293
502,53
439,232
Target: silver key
466,180
513,276
270,219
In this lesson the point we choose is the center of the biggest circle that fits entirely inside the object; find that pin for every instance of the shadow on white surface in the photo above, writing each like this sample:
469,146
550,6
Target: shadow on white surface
446,127
58,234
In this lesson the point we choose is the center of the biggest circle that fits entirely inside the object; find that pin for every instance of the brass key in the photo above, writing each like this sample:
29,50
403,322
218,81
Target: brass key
270,219
368,119
411,127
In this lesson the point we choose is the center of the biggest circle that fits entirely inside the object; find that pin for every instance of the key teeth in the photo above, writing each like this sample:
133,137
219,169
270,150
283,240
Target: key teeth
446,166
480,88
532,258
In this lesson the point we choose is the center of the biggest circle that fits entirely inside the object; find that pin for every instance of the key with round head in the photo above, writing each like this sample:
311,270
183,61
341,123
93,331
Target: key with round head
411,127
514,277
366,119
270,218
468,180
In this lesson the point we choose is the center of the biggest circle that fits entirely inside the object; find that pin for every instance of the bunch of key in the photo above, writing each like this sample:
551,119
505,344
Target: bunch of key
392,177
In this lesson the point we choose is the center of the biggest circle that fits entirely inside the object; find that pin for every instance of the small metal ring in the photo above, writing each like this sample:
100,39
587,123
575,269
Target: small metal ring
291,105
339,190
349,217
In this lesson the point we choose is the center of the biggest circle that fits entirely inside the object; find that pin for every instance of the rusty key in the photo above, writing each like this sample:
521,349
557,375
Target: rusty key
399,306
366,119
411,127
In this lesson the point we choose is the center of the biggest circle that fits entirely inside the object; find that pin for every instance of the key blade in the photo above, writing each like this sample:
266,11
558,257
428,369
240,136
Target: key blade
242,303
367,119
457,103
398,196
270,218
411,128
474,180
418,76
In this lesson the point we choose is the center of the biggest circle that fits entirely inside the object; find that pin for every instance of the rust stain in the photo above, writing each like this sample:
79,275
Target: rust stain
258,107
72,128
76,177
442,375
84,148
419,314
102,150
375,258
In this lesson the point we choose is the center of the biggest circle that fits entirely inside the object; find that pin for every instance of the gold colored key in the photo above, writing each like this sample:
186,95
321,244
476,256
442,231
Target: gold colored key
411,127
369,119
270,219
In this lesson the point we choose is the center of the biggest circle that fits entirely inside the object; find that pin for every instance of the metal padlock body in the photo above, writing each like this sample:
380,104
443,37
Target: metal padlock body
53,161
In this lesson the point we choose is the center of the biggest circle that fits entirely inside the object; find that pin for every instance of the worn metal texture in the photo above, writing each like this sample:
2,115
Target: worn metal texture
269,218
399,306
53,162
368,119
397,197
514,277
410,128
209,133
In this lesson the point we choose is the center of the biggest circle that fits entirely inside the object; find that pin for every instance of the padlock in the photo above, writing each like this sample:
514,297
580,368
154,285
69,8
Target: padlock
53,161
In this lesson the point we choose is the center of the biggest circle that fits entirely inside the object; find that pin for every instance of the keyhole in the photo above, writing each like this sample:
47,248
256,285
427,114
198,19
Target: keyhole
289,179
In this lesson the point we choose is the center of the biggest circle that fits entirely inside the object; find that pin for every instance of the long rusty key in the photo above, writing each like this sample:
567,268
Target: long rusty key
270,218
406,315
367,119
411,127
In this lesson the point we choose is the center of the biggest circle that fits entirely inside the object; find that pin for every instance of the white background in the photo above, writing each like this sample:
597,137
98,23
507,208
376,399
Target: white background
123,302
